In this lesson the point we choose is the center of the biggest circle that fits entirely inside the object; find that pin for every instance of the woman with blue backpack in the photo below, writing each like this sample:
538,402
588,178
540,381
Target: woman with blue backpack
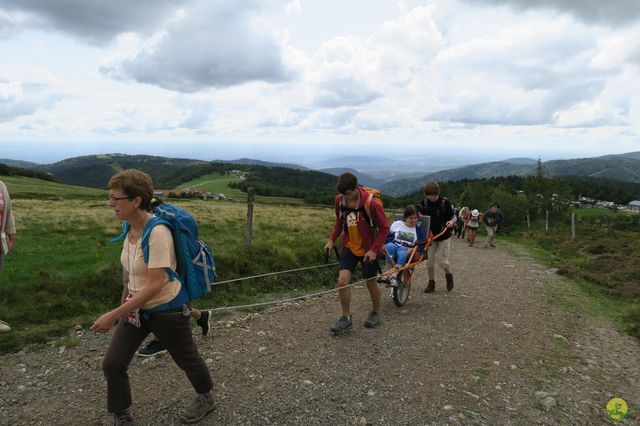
154,300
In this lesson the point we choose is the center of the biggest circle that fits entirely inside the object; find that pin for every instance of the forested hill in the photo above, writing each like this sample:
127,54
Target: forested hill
6,170
624,167
314,187
94,171
168,173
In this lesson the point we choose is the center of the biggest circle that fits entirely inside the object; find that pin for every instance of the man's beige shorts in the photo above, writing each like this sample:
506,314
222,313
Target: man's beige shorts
439,252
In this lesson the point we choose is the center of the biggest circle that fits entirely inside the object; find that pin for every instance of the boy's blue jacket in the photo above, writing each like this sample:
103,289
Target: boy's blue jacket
421,233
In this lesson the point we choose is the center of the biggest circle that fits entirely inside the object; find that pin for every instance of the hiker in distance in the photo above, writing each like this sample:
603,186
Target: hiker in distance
149,287
472,224
363,227
492,220
7,233
441,212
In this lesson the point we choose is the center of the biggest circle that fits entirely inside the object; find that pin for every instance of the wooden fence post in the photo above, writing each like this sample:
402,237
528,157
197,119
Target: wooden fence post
250,198
546,222
573,225
528,221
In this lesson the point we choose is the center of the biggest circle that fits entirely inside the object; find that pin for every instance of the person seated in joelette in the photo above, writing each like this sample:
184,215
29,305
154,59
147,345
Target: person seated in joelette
403,235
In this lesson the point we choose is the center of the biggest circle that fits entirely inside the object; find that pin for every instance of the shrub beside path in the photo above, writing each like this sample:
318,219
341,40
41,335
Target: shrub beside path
511,344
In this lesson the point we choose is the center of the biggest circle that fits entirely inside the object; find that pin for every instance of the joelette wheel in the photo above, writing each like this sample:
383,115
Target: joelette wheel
401,292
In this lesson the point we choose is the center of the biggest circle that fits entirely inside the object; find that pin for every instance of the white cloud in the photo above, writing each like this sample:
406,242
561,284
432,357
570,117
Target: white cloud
211,45
293,8
517,75
594,11
345,91
25,98
10,22
94,21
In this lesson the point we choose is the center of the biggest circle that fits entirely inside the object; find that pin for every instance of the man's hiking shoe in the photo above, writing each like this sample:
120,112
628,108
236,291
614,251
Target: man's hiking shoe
372,320
123,419
449,278
203,322
200,407
341,325
431,286
153,348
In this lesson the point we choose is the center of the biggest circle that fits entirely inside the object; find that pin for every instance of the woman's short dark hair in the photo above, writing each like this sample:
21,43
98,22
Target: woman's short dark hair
431,188
346,182
410,210
134,183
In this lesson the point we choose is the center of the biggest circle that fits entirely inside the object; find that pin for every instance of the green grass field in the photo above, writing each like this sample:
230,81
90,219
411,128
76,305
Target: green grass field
217,183
592,213
24,187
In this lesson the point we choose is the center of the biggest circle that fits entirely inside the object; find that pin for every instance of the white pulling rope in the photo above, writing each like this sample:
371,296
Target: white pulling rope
274,273
305,296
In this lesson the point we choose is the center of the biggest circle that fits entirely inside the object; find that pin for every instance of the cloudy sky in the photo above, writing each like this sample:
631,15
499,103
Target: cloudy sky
295,79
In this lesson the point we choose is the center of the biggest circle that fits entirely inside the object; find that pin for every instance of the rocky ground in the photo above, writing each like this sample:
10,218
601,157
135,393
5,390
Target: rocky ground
511,344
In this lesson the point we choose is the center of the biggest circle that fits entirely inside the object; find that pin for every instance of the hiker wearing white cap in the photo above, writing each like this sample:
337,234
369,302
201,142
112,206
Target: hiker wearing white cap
473,223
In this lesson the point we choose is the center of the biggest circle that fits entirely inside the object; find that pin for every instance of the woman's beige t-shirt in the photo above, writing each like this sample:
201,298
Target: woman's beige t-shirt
161,255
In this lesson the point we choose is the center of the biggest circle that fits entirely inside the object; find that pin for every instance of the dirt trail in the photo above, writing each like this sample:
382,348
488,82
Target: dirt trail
481,354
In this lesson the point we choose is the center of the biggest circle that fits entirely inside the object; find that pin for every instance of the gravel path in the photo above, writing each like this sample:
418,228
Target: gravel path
510,344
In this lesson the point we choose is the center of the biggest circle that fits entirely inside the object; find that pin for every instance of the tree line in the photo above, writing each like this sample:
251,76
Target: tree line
19,171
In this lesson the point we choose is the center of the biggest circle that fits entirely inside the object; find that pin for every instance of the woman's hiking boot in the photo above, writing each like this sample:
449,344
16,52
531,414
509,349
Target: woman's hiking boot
449,278
341,325
393,282
203,322
200,407
431,286
123,419
153,348
372,320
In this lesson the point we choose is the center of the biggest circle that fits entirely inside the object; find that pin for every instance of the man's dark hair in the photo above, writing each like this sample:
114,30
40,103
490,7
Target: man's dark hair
431,188
346,182
496,205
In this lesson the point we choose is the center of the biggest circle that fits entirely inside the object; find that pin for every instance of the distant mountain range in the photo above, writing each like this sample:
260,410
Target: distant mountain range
621,167
264,163
363,178
19,163
95,170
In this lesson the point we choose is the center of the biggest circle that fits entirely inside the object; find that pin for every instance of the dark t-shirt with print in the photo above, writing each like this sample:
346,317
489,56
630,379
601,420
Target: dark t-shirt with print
440,211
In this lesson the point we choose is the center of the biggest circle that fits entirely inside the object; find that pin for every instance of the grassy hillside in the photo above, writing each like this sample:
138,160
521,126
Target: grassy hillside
24,187
219,184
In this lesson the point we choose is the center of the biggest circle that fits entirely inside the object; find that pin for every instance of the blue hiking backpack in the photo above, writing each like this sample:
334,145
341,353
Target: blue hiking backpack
195,263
